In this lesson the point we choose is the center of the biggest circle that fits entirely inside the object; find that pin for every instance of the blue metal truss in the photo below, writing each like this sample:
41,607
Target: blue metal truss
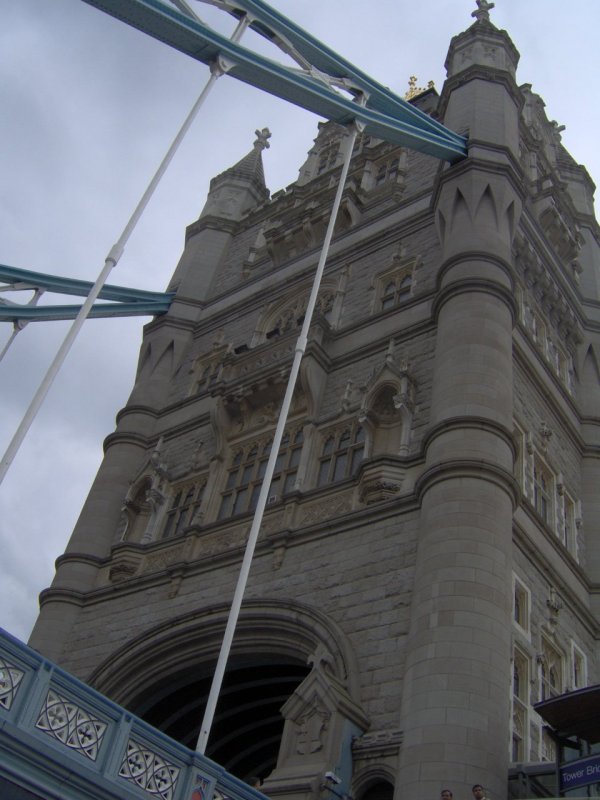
385,115
127,302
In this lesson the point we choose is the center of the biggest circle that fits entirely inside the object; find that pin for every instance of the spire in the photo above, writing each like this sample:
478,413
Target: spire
241,187
250,166
482,45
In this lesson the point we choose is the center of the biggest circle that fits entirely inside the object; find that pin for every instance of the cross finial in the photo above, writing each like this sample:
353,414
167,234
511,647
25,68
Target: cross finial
482,14
262,138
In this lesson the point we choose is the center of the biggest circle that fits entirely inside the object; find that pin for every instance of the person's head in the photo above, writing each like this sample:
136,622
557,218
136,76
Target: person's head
446,794
478,792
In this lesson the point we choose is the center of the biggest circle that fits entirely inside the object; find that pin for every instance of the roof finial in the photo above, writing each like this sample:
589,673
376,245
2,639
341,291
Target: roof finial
483,11
414,90
262,138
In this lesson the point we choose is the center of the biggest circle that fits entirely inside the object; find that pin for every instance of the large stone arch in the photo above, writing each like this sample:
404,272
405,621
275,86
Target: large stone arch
292,629
290,665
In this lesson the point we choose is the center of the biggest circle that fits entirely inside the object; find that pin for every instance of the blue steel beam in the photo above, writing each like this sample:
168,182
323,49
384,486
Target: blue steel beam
16,313
272,25
55,283
129,302
189,36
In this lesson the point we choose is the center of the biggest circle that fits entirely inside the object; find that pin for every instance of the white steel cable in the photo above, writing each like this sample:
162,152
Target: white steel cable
240,589
112,259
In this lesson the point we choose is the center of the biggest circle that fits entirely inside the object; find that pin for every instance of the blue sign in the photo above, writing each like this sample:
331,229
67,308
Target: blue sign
580,773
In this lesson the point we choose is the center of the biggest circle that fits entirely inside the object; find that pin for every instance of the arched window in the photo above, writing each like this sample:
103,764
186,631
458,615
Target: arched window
247,471
341,455
184,508
396,291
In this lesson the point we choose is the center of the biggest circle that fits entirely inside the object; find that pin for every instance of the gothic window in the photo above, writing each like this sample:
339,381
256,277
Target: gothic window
579,662
327,159
551,671
521,604
341,455
568,531
184,508
247,471
520,705
388,171
542,490
206,375
396,291
292,315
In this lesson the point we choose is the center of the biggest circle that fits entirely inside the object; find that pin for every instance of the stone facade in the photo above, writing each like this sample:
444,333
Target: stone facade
429,559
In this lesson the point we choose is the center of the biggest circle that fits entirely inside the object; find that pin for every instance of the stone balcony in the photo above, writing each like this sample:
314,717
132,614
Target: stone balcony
62,740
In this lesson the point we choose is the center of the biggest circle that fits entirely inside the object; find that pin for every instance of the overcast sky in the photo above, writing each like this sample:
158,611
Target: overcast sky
88,107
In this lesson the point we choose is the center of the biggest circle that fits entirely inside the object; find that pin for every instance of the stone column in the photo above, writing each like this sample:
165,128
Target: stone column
456,692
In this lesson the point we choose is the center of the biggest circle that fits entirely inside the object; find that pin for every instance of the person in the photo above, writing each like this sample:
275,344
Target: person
478,792
446,794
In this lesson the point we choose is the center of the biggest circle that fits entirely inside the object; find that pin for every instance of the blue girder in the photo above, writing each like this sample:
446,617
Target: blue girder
128,302
385,115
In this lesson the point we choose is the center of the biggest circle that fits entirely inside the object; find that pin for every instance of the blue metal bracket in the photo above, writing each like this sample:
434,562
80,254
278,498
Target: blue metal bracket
128,302
384,115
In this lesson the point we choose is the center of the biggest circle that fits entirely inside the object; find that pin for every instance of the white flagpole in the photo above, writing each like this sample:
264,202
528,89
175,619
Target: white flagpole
112,259
264,491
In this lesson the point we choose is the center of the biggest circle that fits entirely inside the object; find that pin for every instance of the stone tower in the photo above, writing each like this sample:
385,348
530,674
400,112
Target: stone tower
430,555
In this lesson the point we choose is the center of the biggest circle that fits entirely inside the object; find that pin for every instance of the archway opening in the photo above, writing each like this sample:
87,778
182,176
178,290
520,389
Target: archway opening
380,790
248,724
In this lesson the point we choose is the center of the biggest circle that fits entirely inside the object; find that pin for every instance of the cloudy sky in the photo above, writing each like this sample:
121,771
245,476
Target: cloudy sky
88,107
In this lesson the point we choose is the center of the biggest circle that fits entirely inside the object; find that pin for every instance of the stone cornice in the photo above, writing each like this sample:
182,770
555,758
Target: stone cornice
470,423
480,72
468,468
125,437
505,167
480,285
211,222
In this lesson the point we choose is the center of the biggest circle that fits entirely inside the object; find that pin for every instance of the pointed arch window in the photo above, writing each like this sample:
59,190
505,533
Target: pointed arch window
184,509
292,316
341,455
248,469
396,291
388,171
327,159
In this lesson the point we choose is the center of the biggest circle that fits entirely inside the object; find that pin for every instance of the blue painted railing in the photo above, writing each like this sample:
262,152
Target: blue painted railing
62,740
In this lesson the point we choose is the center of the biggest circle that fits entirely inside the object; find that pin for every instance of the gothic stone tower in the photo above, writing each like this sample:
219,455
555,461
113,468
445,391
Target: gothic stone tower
430,556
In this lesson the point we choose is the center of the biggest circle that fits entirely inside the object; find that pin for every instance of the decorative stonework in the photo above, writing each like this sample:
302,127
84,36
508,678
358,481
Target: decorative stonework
325,510
71,725
311,729
10,679
150,771
164,558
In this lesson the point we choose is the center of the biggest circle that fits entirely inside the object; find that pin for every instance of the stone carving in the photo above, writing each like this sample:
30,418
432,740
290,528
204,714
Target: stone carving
71,725
545,436
326,510
121,571
311,729
150,771
163,559
10,679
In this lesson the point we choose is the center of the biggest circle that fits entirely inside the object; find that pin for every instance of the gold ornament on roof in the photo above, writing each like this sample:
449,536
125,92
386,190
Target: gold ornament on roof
414,90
